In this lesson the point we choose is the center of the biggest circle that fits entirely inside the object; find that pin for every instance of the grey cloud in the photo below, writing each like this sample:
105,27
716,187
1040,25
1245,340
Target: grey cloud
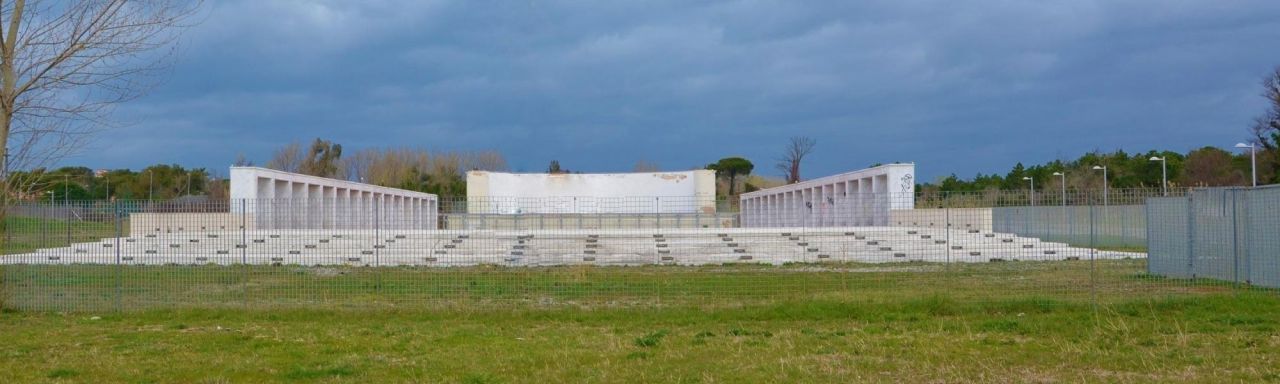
956,87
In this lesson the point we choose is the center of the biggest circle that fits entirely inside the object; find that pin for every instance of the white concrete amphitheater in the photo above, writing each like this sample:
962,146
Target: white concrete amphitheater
559,247
365,225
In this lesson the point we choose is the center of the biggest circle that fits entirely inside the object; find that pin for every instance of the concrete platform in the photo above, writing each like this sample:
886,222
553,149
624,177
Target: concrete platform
445,248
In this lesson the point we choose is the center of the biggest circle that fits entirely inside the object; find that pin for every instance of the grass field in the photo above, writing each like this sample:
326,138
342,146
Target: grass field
990,322
140,287
26,234
1061,321
1210,338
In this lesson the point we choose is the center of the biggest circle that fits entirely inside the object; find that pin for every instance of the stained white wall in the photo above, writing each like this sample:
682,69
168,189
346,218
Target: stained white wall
278,199
859,198
656,192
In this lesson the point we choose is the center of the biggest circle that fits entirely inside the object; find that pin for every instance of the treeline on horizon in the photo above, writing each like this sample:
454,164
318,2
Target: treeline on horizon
1203,167
444,173
158,182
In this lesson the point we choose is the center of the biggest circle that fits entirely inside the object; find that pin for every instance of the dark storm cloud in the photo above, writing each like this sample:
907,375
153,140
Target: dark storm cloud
955,87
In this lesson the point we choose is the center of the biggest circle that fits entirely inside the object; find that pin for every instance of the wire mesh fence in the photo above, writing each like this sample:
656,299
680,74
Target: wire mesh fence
130,255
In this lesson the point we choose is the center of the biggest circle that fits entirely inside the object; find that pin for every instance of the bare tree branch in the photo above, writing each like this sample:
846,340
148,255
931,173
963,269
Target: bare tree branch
65,65
797,149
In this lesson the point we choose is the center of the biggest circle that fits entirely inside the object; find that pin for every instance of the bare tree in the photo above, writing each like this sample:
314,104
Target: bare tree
242,161
288,158
322,159
644,166
66,64
1266,129
442,173
797,149
486,161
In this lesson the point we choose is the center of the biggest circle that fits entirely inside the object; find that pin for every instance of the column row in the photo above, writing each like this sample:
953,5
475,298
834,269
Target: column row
857,202
284,204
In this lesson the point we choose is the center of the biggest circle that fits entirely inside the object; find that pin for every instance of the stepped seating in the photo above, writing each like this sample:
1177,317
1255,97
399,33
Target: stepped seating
562,247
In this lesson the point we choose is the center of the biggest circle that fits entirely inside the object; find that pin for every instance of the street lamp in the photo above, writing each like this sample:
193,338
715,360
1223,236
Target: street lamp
1105,186
1064,187
1033,189
1164,173
1253,159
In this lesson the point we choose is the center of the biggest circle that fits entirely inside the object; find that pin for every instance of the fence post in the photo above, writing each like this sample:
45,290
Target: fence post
244,248
1248,249
1093,259
947,228
1191,236
67,212
377,242
115,208
1235,242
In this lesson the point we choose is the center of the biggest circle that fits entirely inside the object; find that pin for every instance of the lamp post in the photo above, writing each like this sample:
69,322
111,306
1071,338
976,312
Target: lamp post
1164,173
1032,194
1064,187
1253,160
1105,185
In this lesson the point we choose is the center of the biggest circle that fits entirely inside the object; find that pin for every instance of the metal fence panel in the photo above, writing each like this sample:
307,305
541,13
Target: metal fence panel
1262,236
1167,249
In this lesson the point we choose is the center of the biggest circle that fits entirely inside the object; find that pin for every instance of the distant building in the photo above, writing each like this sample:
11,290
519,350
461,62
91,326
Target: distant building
100,173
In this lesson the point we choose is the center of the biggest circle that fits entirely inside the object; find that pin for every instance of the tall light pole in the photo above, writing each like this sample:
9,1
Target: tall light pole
151,183
1033,189
1105,185
1253,159
1164,173
1064,187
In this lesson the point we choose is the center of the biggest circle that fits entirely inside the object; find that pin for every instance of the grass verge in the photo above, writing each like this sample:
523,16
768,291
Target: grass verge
933,338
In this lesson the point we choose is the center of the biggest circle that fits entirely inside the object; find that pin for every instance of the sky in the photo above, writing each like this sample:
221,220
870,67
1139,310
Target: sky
954,86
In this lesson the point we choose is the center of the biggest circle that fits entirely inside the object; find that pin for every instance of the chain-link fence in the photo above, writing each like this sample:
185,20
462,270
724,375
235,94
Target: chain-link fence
129,255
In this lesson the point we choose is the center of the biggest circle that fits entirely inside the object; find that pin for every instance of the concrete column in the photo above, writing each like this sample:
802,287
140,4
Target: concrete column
339,200
315,212
398,212
784,209
795,204
433,211
837,209
832,203
390,212
774,210
806,207
265,203
819,206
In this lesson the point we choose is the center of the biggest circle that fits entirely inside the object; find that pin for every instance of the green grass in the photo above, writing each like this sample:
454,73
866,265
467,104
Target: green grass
25,234
907,322
133,288
931,338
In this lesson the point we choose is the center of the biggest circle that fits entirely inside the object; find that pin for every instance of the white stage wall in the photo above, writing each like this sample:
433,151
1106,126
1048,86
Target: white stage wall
656,192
